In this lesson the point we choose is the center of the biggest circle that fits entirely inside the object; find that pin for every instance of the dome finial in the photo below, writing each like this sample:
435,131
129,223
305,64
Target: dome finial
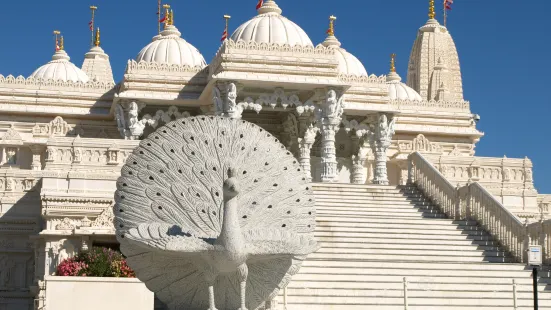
61,44
97,40
269,6
392,62
56,39
331,30
166,17
432,13
393,77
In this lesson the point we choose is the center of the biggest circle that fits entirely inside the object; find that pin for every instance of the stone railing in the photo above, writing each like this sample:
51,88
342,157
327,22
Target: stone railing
472,202
510,180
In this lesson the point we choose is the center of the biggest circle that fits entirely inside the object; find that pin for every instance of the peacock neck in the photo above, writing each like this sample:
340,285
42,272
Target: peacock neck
230,236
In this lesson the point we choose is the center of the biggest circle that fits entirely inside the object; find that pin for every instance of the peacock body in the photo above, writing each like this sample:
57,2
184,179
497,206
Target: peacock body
214,212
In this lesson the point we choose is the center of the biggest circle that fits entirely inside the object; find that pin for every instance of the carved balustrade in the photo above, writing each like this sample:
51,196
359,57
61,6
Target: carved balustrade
474,202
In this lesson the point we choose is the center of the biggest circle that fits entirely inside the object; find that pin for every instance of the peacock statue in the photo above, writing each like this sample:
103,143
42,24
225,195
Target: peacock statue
214,213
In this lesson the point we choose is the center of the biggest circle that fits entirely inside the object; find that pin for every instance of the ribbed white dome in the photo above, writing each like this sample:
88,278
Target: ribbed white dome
348,63
168,47
269,26
399,90
60,68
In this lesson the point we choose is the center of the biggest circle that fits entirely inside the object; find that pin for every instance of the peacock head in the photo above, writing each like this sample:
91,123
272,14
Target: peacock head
231,184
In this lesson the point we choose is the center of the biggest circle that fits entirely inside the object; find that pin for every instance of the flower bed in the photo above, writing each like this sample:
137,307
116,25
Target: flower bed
96,279
98,262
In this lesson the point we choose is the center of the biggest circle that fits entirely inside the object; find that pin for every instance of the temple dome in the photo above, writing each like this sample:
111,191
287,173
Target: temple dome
348,63
169,47
60,68
400,91
269,26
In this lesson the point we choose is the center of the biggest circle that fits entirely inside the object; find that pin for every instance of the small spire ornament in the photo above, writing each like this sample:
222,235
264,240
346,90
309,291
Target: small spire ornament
166,17
97,41
393,63
432,13
331,30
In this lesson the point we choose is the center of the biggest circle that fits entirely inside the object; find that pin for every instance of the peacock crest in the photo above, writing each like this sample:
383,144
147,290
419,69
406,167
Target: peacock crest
214,213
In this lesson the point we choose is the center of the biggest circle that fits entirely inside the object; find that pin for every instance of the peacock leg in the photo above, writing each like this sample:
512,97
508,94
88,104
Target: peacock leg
243,272
211,297
210,277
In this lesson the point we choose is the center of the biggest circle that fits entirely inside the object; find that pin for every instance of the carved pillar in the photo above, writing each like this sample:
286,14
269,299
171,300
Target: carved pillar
37,151
305,146
359,157
329,119
383,139
224,99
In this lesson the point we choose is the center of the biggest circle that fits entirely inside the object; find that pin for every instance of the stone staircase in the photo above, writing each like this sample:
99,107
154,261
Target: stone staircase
374,236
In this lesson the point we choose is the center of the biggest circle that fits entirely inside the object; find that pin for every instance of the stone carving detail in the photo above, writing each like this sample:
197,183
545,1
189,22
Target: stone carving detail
224,98
56,128
164,116
77,155
7,271
66,224
104,220
126,115
419,144
233,206
290,132
50,154
328,116
55,84
11,135
113,155
383,137
305,147
58,252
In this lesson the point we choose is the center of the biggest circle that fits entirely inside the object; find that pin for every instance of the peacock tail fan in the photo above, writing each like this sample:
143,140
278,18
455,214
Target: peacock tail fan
175,177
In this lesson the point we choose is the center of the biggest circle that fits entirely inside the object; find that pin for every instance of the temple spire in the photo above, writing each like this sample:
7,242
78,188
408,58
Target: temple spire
166,17
432,13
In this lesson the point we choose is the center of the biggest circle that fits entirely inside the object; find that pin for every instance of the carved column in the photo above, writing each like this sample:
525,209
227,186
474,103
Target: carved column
305,146
329,119
383,138
37,151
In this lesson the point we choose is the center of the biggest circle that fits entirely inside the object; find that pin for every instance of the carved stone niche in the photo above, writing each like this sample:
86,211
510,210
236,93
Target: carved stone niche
10,145
113,155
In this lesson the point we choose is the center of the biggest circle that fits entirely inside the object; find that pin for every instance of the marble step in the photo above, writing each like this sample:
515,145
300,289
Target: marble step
363,224
380,212
405,266
382,244
328,255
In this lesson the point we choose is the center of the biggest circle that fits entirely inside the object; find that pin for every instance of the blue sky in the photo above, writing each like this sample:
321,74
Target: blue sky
504,48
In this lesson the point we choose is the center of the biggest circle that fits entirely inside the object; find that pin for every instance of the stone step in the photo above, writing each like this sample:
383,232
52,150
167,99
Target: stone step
434,226
398,306
392,209
370,281
380,212
436,254
439,303
406,266
421,291
398,236
374,203
369,272
328,255
327,243
409,231
407,244
406,221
